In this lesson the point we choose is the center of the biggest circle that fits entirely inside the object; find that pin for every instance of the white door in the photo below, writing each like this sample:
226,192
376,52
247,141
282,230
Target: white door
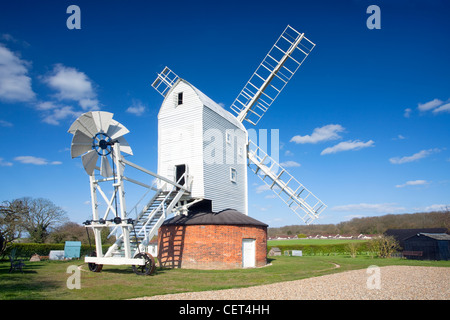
248,253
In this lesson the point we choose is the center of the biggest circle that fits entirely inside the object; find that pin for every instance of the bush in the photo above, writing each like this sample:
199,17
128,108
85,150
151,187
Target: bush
322,250
26,250
384,246
353,249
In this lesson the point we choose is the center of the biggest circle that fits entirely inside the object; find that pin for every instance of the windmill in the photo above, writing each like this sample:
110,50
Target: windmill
203,155
96,135
196,118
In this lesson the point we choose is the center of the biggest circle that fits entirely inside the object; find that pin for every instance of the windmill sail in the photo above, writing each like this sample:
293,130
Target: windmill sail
92,132
165,80
299,199
271,76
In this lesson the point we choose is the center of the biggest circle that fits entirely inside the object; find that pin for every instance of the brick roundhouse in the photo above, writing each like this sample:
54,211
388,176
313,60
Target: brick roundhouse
206,240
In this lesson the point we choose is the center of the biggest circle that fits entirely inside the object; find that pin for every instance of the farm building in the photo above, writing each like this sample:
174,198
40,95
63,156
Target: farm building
401,234
204,239
427,246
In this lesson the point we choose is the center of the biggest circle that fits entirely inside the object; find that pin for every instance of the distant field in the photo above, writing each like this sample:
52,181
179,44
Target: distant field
310,241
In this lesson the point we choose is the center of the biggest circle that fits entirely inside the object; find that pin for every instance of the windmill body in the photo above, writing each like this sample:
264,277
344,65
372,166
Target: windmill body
198,136
203,155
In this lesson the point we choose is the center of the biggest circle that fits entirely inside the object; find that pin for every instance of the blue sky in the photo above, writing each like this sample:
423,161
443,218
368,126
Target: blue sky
364,123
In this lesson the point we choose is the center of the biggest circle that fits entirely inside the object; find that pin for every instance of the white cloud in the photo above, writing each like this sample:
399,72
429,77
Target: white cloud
54,113
4,163
348,145
407,113
412,183
35,160
71,85
288,153
262,188
137,108
9,38
435,106
435,207
89,104
46,105
4,123
325,133
429,105
443,108
15,85
414,157
290,163
370,207
74,85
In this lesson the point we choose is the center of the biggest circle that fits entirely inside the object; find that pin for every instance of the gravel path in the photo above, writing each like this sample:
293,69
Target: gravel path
396,283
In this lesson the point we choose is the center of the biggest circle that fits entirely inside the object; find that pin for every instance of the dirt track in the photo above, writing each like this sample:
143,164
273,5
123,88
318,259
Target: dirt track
395,283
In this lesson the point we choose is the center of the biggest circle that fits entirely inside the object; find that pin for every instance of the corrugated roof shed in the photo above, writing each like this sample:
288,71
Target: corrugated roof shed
436,236
401,234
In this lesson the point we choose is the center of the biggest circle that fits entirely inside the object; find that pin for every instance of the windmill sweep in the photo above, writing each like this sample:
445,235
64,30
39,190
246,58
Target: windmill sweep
203,155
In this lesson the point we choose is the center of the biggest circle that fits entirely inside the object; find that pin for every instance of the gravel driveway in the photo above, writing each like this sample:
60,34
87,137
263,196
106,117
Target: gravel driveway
395,283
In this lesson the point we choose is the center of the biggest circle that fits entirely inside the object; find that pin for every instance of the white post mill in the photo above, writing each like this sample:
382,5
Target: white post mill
203,154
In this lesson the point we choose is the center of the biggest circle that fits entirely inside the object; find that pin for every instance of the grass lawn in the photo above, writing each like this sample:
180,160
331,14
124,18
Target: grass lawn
47,279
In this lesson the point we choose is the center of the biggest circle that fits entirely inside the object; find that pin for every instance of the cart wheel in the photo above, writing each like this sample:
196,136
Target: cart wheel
93,266
148,268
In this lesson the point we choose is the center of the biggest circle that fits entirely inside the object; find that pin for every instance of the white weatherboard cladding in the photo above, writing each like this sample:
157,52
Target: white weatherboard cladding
180,136
217,168
184,133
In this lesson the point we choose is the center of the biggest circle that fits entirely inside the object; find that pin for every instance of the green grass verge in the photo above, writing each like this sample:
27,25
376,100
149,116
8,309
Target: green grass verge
47,279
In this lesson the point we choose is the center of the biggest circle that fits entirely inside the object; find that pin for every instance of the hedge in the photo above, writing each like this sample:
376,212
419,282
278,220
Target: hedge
43,249
324,249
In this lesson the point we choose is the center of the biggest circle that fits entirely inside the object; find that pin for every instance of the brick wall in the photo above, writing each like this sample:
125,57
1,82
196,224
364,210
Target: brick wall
208,246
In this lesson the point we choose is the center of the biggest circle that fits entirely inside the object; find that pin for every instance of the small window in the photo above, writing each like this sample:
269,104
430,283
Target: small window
228,137
180,98
233,174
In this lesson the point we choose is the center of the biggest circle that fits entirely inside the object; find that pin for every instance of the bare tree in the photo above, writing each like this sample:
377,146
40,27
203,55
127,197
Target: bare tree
11,222
41,215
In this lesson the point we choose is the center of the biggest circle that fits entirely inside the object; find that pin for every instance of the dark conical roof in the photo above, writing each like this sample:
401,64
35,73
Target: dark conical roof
224,217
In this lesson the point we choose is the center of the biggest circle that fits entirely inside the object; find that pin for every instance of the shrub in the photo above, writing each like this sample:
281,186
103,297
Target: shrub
43,249
325,249
384,246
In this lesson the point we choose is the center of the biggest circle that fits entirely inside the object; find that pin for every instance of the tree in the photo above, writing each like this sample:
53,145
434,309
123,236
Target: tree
69,231
384,246
40,217
353,248
72,231
11,222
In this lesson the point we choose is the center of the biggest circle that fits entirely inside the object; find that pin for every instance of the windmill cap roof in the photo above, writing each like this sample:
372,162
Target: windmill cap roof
224,217
209,103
